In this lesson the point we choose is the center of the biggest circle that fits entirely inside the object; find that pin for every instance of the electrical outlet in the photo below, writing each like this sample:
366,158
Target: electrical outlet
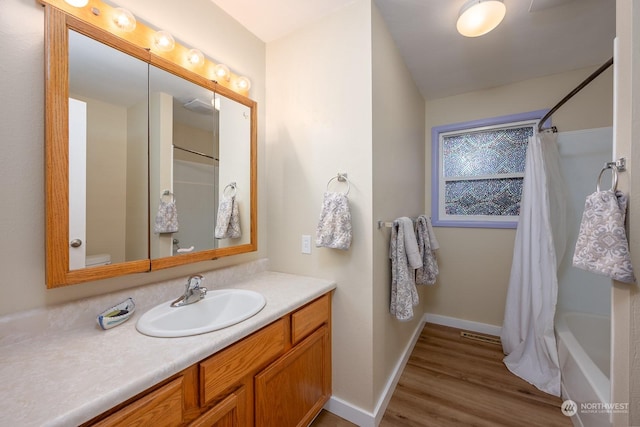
306,244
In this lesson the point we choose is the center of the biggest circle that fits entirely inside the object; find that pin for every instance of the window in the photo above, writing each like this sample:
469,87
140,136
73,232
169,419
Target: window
478,171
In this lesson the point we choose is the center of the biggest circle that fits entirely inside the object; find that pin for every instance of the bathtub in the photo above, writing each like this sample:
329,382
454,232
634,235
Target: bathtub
584,353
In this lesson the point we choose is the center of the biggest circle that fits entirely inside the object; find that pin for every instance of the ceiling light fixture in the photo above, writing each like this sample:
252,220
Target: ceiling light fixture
478,17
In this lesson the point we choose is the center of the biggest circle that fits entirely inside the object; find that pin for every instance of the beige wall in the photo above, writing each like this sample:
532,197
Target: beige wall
347,105
22,284
474,262
398,189
318,124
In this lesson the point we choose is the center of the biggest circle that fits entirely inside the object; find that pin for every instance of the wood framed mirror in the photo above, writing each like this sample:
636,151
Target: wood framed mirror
130,129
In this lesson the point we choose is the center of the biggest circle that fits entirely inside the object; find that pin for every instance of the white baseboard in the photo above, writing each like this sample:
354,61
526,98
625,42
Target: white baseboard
364,418
350,412
482,328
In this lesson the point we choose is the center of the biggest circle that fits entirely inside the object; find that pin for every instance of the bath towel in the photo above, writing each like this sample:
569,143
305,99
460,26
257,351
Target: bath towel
166,217
334,226
427,244
228,220
405,258
602,246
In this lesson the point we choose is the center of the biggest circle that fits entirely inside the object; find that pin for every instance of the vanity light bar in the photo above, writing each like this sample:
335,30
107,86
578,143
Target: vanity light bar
116,21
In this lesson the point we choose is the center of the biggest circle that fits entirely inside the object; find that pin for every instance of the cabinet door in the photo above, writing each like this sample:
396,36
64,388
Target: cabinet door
292,390
230,412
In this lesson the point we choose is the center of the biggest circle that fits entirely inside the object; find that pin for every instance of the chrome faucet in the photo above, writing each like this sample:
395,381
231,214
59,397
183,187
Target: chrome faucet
193,292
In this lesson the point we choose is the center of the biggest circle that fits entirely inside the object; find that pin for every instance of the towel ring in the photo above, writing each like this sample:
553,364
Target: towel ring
168,193
341,177
614,174
233,187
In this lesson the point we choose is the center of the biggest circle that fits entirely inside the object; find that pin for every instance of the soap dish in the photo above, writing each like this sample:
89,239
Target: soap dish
116,314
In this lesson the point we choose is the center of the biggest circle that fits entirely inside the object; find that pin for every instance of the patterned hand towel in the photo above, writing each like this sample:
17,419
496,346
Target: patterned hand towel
334,226
426,275
403,251
602,246
228,221
166,217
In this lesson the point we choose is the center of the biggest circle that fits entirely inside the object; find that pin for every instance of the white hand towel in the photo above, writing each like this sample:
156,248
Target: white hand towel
166,218
334,226
602,246
228,220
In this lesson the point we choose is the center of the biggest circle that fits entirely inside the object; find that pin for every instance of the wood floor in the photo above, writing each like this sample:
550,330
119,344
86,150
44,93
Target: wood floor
455,381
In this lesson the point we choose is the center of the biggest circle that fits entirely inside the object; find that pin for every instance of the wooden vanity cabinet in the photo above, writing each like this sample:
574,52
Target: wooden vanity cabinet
278,376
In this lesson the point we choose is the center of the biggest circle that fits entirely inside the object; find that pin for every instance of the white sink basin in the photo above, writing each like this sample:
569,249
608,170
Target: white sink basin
217,310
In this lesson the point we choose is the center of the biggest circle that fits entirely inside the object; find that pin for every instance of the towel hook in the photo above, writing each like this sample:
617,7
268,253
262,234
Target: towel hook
341,177
233,187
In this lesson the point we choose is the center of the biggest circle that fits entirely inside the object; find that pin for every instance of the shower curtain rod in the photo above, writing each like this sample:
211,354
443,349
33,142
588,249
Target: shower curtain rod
195,152
588,80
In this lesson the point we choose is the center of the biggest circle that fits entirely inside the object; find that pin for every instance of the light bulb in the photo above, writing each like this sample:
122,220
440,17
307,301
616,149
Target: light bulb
222,72
163,41
77,3
243,83
195,57
124,19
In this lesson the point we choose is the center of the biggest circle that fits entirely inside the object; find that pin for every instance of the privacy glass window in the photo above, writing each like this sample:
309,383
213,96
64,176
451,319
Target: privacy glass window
479,171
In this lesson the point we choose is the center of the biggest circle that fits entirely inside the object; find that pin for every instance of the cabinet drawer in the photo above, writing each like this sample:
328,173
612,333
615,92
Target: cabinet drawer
223,370
309,318
230,412
162,407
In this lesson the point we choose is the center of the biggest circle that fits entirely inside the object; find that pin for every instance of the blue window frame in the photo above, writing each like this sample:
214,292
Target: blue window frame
478,170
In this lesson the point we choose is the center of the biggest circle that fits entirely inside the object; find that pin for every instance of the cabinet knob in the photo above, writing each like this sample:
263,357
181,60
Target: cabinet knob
76,243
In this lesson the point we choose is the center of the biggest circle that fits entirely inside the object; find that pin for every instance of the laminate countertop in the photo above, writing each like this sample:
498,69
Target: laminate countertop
60,369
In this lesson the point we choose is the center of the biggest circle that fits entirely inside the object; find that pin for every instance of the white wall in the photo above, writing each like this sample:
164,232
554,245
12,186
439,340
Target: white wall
475,262
202,25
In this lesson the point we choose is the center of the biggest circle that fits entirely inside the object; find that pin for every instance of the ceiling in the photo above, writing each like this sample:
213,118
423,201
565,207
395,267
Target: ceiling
536,38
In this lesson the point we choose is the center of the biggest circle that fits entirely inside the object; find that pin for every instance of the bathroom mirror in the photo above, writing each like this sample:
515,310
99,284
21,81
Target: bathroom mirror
129,130
200,156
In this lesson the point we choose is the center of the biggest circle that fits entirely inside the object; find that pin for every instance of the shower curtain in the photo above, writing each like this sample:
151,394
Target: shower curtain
528,337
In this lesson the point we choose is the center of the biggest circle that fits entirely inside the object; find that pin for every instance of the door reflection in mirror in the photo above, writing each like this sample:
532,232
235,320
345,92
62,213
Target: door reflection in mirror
109,194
